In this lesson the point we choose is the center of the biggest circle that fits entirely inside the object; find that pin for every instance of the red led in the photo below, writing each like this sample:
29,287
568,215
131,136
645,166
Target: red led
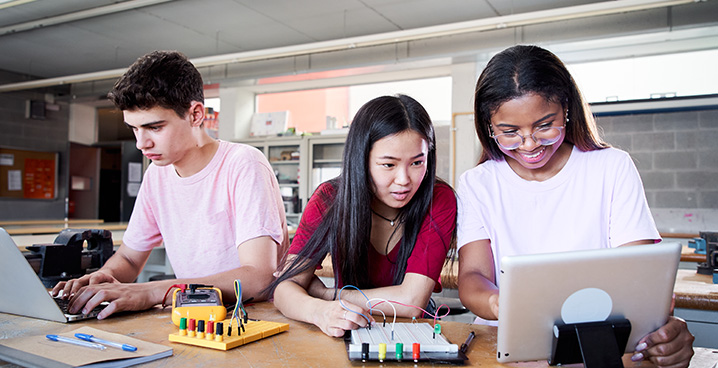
416,351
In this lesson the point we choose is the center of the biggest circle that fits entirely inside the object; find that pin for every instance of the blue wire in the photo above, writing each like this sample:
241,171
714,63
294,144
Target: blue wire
238,293
349,309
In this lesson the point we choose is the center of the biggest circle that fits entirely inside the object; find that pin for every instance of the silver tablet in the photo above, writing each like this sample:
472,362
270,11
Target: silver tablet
541,290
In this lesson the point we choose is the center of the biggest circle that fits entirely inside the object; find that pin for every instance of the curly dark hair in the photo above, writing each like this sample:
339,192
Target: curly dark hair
161,78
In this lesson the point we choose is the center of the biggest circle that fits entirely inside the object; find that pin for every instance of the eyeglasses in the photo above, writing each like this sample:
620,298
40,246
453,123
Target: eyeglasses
544,136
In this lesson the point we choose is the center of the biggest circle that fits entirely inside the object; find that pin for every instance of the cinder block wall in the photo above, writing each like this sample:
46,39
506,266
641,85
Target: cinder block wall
49,135
676,154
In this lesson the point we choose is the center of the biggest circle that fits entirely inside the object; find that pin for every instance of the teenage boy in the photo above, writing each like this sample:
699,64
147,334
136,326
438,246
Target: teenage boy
215,205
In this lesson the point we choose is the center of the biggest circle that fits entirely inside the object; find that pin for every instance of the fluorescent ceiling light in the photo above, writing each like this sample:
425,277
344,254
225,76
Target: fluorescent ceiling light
8,3
516,20
71,17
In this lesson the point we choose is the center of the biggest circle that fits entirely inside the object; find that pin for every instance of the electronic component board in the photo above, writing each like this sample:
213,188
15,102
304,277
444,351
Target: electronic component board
208,337
409,342
199,303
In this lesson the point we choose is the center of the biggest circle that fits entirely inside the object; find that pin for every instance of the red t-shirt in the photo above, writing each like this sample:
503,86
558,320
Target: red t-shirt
432,242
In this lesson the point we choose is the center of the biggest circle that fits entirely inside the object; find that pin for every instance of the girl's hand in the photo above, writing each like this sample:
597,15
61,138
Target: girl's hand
333,319
669,346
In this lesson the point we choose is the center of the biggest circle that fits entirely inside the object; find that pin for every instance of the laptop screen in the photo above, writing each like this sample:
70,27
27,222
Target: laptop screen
22,291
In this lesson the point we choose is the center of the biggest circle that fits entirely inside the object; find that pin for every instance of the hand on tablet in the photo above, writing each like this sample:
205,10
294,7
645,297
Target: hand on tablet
669,346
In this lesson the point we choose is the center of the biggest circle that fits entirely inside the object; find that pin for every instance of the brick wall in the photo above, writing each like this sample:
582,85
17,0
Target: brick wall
676,154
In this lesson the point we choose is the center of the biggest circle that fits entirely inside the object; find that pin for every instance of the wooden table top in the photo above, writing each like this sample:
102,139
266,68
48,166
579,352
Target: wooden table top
695,291
690,255
30,230
50,222
302,345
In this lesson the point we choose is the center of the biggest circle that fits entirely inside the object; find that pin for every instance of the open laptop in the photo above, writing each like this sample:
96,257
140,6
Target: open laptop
22,292
541,290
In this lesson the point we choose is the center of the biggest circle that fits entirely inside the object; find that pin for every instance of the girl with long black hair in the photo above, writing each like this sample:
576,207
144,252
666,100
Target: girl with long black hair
386,221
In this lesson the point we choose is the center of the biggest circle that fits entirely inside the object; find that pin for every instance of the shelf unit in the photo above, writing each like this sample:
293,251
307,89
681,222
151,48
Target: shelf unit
319,159
285,156
325,159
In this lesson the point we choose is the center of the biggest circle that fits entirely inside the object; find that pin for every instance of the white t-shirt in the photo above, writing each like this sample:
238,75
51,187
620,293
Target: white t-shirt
203,218
595,201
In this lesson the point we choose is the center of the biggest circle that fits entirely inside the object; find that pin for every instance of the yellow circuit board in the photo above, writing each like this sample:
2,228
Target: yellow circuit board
253,331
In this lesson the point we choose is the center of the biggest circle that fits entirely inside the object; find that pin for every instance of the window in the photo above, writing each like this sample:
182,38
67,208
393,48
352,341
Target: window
311,110
211,117
660,76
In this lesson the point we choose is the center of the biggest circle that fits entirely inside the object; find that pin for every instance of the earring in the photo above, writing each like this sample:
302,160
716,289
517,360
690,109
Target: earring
567,119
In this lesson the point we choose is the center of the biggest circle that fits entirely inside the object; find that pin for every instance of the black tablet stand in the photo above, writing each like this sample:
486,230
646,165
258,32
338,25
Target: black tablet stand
596,344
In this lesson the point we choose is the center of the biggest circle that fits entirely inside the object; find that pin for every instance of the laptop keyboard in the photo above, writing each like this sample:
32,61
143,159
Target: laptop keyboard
63,304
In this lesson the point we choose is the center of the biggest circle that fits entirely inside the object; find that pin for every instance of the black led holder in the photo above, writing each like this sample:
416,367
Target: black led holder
596,344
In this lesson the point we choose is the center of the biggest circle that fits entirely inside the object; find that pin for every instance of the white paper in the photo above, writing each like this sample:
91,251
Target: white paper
7,159
134,172
322,174
269,123
14,180
133,189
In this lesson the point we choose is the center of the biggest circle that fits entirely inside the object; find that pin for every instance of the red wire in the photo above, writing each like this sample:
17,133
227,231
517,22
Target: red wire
182,288
435,315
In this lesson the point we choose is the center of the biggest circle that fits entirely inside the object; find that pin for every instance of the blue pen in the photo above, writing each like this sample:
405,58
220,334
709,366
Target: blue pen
75,342
118,345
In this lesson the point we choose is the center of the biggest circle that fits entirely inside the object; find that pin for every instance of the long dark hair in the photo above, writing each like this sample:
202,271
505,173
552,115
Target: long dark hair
345,229
520,70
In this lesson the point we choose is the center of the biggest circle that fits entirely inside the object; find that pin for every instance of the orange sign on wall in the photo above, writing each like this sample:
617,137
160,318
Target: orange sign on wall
39,179
28,174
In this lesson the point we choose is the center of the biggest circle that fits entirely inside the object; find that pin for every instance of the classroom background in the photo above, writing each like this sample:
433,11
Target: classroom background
647,66
287,76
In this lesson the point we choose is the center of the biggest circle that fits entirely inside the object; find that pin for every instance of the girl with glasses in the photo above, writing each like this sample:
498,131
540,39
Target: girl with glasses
546,182
386,222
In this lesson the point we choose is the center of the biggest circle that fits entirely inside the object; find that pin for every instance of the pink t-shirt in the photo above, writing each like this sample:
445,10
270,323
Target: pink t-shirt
595,201
202,219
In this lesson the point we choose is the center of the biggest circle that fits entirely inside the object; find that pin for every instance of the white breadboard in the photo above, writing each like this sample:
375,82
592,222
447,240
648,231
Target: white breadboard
405,333
432,347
